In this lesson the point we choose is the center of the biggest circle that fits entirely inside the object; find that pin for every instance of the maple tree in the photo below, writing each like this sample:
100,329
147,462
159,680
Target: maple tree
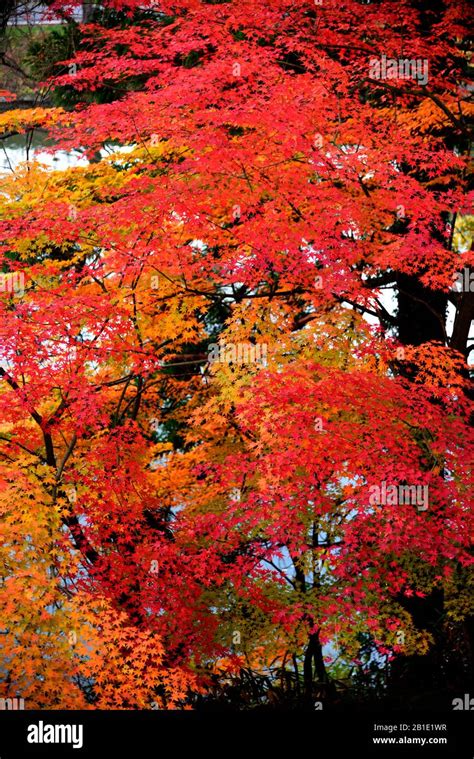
234,325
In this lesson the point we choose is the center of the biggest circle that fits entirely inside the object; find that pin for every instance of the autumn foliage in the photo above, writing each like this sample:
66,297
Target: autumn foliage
237,322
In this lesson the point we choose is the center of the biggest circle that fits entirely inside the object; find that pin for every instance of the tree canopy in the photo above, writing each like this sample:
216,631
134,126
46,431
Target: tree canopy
236,408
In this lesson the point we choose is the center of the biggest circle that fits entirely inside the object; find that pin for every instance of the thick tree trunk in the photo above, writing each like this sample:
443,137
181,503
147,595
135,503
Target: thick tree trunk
421,318
87,11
